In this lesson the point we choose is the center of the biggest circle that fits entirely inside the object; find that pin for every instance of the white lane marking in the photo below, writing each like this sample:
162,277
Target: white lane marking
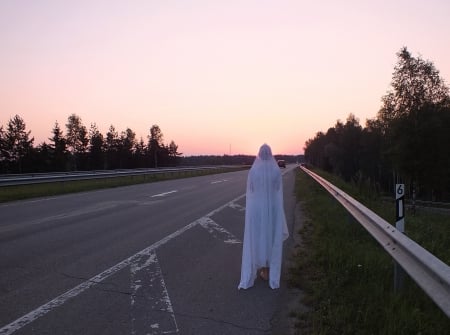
219,181
151,308
237,207
63,298
218,231
164,194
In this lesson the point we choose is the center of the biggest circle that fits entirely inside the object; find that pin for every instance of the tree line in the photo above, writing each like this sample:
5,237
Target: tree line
407,142
81,148
87,149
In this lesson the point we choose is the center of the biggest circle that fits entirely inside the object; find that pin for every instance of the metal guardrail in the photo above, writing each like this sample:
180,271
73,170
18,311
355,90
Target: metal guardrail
428,271
38,178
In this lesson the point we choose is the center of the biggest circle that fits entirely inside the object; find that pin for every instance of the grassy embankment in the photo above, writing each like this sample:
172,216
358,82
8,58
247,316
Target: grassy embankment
10,193
348,277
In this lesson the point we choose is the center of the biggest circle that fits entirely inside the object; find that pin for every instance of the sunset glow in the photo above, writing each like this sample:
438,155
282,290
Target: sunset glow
218,77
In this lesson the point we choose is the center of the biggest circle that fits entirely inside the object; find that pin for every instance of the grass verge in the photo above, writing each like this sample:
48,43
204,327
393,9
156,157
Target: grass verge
20,192
348,278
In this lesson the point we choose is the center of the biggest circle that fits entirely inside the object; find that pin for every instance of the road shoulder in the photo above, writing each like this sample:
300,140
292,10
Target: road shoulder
290,302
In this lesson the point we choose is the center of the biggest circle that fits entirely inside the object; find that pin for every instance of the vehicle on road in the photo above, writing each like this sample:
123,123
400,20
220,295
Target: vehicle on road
281,163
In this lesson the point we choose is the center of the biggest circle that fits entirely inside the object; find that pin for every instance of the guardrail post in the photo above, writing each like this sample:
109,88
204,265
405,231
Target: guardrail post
399,273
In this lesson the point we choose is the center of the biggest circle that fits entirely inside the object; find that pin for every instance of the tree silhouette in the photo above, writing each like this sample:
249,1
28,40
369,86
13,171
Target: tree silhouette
155,144
174,155
408,117
3,151
76,138
407,141
415,83
96,148
112,148
127,145
17,142
58,149
140,154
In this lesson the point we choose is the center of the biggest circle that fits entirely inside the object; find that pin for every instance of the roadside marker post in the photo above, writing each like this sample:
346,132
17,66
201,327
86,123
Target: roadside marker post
399,273
400,207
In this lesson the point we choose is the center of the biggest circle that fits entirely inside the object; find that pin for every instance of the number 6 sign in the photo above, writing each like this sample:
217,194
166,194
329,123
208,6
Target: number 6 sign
400,207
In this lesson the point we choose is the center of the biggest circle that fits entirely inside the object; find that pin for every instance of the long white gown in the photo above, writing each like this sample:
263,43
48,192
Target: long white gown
265,221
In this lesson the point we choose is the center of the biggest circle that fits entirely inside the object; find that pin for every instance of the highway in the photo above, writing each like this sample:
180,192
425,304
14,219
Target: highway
157,258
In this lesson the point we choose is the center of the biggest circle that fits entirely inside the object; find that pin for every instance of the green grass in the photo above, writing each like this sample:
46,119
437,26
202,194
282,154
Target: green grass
11,193
430,229
348,278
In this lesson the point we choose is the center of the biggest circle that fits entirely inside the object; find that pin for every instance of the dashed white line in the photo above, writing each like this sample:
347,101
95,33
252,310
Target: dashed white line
163,194
219,181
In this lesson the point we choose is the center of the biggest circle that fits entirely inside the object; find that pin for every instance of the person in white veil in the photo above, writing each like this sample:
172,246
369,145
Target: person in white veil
265,222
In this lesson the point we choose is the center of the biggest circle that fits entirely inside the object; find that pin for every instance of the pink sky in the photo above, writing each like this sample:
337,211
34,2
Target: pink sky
218,77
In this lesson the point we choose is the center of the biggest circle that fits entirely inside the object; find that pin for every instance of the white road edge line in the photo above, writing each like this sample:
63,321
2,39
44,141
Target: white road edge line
61,299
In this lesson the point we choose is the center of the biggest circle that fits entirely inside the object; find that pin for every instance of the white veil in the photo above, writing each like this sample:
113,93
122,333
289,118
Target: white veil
265,222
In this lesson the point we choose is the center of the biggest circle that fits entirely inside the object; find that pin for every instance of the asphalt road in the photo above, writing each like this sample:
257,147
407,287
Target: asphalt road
155,258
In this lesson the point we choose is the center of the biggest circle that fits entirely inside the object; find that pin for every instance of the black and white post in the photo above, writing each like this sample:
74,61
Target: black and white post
400,207
399,273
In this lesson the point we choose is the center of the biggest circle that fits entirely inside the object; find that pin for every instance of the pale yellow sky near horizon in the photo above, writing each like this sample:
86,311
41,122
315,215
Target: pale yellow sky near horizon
218,77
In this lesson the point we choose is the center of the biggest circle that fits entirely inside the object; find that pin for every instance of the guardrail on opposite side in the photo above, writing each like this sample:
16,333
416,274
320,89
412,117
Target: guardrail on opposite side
37,178
428,271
